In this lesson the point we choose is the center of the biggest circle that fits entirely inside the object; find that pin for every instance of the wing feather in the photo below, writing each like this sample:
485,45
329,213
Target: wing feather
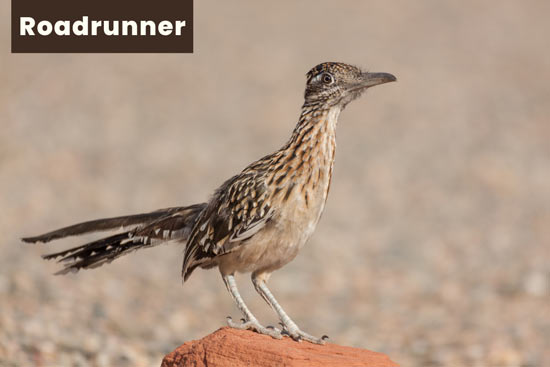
238,210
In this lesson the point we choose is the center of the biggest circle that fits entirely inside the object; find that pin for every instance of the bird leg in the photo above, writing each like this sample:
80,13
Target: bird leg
249,321
289,327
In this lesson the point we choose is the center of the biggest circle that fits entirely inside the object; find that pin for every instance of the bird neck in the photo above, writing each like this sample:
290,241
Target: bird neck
316,129
308,157
306,160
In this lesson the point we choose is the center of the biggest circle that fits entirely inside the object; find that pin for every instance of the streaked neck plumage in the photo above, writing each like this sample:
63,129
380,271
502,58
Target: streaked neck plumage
307,158
315,133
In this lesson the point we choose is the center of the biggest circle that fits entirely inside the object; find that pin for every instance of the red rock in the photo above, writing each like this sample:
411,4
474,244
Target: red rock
228,347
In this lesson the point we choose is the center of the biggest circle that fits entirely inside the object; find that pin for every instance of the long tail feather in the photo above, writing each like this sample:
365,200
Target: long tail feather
98,225
150,229
93,254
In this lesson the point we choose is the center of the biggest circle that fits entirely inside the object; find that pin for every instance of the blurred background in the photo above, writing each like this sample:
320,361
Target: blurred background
435,244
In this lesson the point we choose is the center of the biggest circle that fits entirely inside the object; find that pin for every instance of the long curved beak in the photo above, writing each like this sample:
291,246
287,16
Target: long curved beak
372,79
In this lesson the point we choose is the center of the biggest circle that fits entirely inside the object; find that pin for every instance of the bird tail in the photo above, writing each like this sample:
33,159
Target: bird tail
138,231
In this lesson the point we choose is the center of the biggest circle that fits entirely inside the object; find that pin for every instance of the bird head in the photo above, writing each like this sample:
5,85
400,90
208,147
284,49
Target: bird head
333,83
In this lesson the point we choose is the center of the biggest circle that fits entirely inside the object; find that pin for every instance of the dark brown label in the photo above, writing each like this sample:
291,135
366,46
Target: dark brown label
102,26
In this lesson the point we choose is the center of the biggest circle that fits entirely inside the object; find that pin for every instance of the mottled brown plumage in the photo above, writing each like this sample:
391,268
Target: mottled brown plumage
257,220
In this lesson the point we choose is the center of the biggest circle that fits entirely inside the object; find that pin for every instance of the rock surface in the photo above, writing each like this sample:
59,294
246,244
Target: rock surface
234,348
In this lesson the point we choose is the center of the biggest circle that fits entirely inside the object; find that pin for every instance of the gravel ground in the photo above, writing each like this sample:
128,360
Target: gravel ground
434,247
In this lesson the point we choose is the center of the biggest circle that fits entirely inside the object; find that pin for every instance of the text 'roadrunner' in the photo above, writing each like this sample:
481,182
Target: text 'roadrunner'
256,221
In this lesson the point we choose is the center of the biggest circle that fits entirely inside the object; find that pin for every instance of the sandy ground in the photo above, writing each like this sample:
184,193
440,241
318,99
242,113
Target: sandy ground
434,247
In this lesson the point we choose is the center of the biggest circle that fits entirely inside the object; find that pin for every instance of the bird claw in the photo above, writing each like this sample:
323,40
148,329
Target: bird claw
254,325
298,335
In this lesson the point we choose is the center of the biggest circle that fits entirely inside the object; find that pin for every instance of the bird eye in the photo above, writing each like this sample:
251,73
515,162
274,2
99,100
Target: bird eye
327,78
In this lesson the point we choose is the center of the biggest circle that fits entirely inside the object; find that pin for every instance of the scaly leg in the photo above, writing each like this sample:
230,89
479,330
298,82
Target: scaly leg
289,326
249,322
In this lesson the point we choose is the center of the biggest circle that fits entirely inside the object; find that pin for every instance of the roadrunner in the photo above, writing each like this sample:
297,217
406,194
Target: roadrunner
256,221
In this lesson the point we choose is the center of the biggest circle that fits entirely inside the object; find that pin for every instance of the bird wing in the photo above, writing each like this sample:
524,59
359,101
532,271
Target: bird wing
238,210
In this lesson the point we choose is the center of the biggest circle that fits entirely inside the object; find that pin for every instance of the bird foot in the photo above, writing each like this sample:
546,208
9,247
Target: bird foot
298,335
254,325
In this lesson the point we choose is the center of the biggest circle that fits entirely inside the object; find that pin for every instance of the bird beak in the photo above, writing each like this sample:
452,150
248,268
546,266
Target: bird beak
372,79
